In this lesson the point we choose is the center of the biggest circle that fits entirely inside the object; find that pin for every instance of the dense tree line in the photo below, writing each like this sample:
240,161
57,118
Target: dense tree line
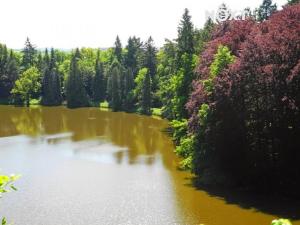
244,112
231,90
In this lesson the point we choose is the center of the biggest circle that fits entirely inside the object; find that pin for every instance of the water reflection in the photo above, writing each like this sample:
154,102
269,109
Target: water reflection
140,136
87,166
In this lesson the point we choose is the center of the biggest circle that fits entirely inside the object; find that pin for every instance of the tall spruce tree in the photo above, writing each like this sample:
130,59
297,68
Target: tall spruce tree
150,61
185,40
51,88
9,72
143,91
133,54
118,50
98,82
115,86
265,10
76,94
29,55
185,64
127,92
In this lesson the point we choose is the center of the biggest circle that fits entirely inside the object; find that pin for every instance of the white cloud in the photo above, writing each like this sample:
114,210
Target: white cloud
95,23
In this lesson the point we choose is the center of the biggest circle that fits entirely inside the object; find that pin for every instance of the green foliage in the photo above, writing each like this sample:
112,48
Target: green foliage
184,143
27,85
150,62
156,111
203,114
114,85
29,55
76,93
179,129
185,38
133,54
98,81
51,88
35,101
6,185
9,71
104,105
292,2
181,86
118,50
222,59
143,91
186,146
202,36
281,222
265,10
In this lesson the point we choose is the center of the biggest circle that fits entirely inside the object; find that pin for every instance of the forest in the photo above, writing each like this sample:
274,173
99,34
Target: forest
231,91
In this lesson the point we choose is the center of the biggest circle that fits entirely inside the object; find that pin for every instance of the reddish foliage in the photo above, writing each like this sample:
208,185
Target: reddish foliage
230,33
256,101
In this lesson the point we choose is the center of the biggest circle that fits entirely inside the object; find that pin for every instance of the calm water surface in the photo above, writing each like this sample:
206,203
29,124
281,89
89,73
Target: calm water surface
92,167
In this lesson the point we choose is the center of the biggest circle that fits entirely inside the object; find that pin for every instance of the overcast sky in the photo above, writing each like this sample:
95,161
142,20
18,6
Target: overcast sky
95,23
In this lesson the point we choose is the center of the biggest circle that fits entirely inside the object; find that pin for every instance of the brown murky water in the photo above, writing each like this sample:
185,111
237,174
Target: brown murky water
92,167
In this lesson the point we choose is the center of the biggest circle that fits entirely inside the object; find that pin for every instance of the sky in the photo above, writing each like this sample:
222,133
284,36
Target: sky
69,24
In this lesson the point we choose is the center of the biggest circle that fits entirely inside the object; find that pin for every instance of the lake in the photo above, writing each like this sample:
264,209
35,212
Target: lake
89,167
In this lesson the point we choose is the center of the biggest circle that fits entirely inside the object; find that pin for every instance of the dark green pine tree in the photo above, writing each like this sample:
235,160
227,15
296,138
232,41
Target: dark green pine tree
29,55
3,58
115,86
75,91
292,2
202,36
118,50
9,76
134,47
150,62
98,82
185,40
51,88
265,10
146,95
40,62
127,92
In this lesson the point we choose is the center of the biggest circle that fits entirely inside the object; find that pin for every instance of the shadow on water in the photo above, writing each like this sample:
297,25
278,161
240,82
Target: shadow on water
279,206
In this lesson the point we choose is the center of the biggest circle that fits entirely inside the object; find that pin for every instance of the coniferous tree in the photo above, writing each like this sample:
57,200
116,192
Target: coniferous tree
202,36
118,50
292,2
51,88
133,53
40,62
150,61
128,86
29,55
185,64
98,82
76,94
9,73
3,58
185,40
115,86
143,91
265,10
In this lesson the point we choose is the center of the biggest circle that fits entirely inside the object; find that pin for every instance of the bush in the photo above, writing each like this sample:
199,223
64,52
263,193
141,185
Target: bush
281,222
35,102
156,111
